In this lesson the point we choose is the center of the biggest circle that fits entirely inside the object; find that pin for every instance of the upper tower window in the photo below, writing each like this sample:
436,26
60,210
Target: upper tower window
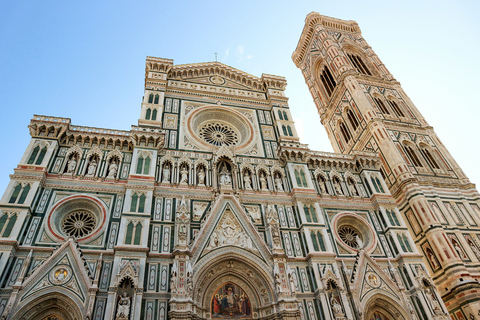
430,159
396,108
345,133
353,120
327,81
381,106
413,156
358,64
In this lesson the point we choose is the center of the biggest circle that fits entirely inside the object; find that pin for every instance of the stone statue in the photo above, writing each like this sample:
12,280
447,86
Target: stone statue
92,167
112,170
173,282
263,181
123,309
71,165
459,250
433,300
166,173
432,260
225,178
247,181
336,307
360,244
201,177
184,173
338,188
278,183
351,188
321,183
278,283
292,282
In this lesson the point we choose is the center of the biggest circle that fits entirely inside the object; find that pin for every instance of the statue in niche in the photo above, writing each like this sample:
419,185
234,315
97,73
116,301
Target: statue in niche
92,167
263,181
278,183
166,173
184,175
336,307
173,281
201,177
459,250
321,183
71,165
352,189
474,248
112,170
433,300
292,281
247,181
278,283
225,176
123,309
338,187
432,259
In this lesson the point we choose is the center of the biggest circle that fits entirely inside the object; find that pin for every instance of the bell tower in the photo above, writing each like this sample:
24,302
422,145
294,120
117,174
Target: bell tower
363,108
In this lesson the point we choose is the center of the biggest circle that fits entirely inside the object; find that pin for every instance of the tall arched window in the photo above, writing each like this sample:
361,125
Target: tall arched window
379,185
156,98
345,133
407,243
154,114
396,108
138,203
284,130
143,165
19,194
407,278
320,241
394,247
313,212
147,115
285,115
358,64
304,180
307,213
133,204
327,81
289,131
430,159
139,165
16,192
146,166
150,98
280,116
353,120
381,105
24,194
35,157
138,234
314,240
8,229
413,156
297,178
400,240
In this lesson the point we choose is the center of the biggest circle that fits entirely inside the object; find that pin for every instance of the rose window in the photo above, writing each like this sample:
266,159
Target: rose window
219,134
348,235
78,224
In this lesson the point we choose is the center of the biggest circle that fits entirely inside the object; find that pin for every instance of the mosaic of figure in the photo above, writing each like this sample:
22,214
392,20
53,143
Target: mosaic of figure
230,301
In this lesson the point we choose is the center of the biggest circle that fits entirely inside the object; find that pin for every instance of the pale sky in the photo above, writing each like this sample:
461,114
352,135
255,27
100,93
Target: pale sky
86,60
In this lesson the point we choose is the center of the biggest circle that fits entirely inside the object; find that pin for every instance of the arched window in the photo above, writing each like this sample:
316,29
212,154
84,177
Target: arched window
304,180
133,204
41,156
129,235
396,108
147,115
146,167
428,156
358,64
353,120
407,278
394,247
345,133
297,177
280,116
375,184
413,156
9,227
314,240
307,213
3,220
400,240
407,243
138,234
24,194
313,212
141,204
382,219
156,98
289,131
368,186
33,156
284,130
379,185
381,106
327,81
285,116
16,192
140,165
320,241
154,114
150,98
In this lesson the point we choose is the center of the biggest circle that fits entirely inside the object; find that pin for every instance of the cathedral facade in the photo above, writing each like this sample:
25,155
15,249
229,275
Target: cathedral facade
211,208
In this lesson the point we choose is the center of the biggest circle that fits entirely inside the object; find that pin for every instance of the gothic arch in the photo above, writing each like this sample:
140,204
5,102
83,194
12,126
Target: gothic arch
53,300
386,303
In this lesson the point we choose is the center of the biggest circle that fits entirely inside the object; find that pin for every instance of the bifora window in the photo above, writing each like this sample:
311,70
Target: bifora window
219,134
78,224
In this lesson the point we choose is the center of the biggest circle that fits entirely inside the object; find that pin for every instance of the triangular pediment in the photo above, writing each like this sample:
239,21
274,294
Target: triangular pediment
370,277
228,225
216,74
64,270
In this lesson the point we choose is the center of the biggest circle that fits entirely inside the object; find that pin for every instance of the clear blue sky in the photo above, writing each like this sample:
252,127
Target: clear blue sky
85,60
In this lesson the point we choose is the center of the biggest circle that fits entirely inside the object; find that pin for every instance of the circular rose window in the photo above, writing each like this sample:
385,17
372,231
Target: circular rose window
79,216
353,231
219,134
79,224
